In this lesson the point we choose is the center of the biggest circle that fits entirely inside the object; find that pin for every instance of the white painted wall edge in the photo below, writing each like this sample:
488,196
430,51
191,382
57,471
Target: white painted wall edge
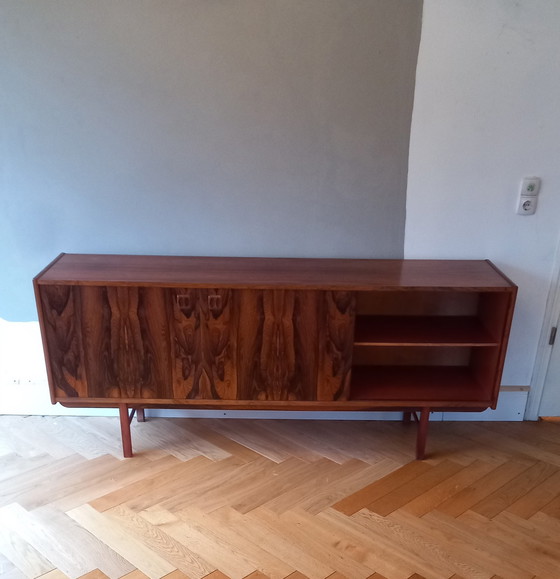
544,349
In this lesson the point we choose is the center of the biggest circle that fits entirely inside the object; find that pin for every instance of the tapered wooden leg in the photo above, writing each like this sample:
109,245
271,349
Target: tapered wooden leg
406,417
422,434
140,416
125,431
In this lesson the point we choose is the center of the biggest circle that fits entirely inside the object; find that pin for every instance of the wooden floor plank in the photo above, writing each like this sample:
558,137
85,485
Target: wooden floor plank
20,483
17,434
385,555
128,473
483,487
320,541
484,434
275,538
12,464
21,554
494,555
56,574
515,489
552,508
447,488
536,498
45,539
254,437
470,560
317,479
545,560
405,493
203,429
69,481
213,478
251,485
540,527
342,486
172,439
313,439
152,488
176,575
416,544
72,535
283,480
277,499
138,553
165,546
263,560
95,574
360,499
209,547
351,553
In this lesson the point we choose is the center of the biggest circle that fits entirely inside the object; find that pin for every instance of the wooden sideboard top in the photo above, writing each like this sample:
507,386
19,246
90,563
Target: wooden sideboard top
271,273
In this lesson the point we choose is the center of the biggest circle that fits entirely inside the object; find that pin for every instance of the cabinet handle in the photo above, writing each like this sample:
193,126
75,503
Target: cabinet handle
214,302
184,301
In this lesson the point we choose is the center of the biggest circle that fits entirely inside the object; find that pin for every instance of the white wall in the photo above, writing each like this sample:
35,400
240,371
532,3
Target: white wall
486,114
197,127
238,127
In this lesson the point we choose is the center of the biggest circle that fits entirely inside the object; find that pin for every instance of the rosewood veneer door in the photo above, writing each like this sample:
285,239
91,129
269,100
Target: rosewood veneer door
203,335
63,337
336,343
292,345
126,340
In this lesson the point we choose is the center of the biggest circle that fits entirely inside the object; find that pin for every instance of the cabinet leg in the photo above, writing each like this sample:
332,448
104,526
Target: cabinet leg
422,434
140,416
125,431
406,417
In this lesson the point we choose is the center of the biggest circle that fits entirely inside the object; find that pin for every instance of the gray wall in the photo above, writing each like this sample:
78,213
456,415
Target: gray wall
202,127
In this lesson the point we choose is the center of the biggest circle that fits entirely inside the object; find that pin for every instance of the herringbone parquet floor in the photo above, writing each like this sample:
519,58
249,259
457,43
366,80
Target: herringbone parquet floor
274,499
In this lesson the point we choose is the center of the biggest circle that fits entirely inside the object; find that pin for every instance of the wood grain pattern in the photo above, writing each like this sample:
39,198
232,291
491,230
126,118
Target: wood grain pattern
126,342
203,334
496,311
274,273
484,506
60,309
275,333
277,345
335,336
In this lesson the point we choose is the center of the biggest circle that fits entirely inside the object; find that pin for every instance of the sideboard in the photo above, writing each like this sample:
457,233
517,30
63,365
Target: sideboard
136,332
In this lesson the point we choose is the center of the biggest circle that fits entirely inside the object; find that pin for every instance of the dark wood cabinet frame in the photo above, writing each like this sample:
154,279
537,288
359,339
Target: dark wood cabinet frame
136,332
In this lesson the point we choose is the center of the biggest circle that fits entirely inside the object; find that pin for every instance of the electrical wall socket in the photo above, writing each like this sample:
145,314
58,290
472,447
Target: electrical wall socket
527,202
526,205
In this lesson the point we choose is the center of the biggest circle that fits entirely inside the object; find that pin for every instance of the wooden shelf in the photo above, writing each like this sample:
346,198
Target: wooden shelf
408,384
421,331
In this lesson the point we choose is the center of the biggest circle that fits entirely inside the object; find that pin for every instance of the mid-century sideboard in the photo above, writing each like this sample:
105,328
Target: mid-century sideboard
137,332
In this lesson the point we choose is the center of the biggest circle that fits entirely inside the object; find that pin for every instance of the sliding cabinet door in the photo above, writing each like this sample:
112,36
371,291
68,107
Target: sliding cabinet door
126,342
203,334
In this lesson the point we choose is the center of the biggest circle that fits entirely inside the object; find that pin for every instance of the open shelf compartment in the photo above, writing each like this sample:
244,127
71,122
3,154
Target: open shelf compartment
433,385
421,331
